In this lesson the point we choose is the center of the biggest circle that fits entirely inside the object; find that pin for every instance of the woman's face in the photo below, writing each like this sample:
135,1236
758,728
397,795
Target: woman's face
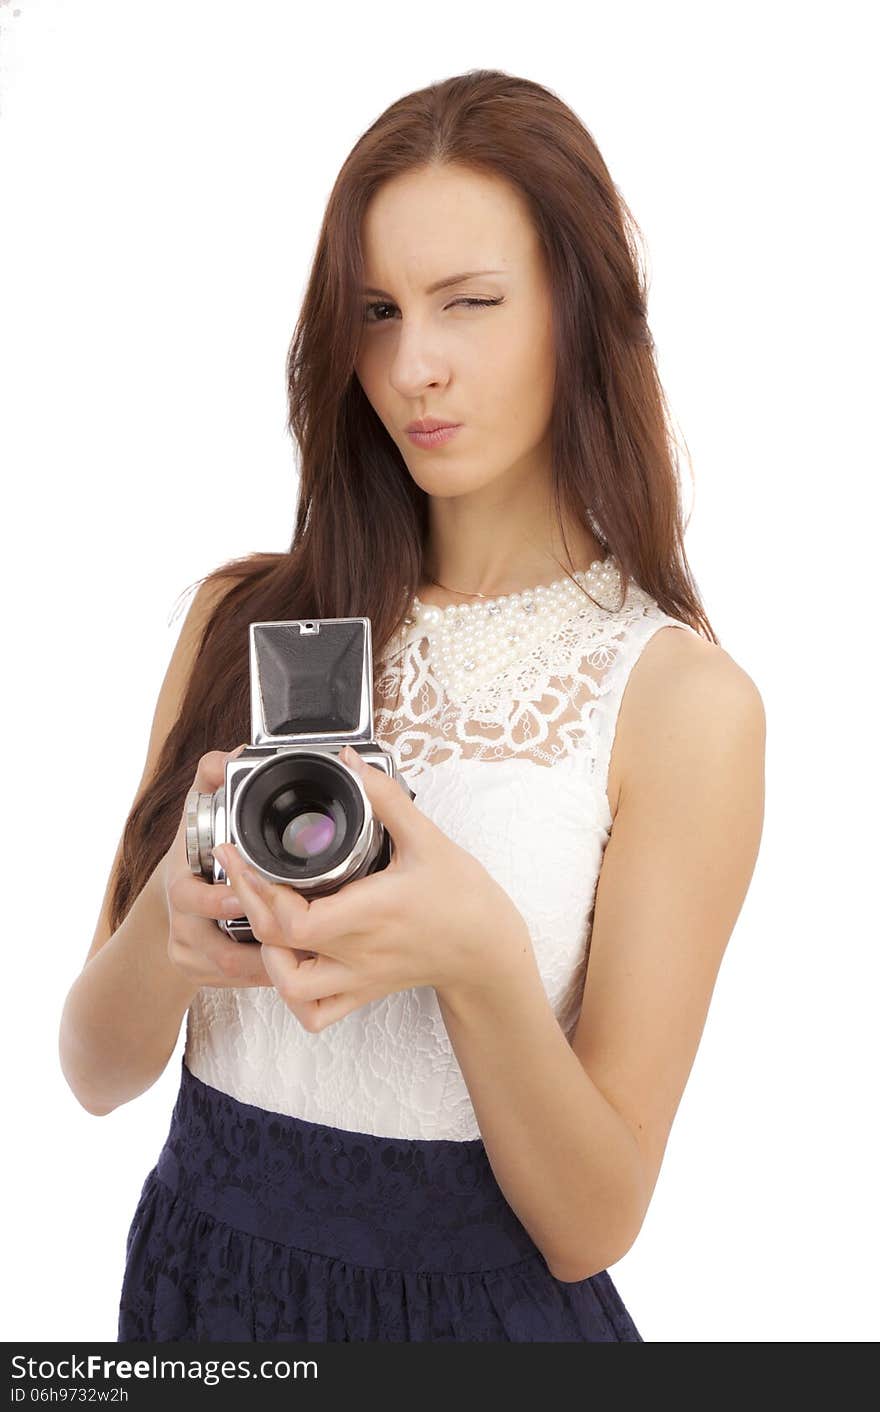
424,353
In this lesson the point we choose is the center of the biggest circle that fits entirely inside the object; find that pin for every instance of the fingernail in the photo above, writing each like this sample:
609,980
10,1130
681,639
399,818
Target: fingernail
232,906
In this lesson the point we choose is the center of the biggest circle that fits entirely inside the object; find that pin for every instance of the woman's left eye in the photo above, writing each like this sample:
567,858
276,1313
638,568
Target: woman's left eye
484,303
384,304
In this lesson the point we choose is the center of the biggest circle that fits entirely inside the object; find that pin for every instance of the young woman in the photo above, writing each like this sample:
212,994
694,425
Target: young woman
412,1111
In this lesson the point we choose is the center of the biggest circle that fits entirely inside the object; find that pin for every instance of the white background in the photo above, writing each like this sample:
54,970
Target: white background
163,174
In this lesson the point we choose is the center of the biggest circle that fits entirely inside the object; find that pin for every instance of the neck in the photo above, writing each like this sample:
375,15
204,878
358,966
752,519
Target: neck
500,538
462,581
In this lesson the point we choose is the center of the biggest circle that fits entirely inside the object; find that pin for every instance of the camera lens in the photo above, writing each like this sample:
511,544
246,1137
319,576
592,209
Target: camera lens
299,815
309,833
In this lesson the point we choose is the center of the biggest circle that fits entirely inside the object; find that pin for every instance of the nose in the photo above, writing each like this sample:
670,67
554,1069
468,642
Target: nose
417,361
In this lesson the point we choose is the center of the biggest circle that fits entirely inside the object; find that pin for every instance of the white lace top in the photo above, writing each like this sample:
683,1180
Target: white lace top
514,768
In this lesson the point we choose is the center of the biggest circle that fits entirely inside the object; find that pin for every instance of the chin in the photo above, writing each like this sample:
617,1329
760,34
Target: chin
446,481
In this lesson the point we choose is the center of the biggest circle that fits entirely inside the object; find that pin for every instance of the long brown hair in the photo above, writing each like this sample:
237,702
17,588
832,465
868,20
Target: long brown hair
361,520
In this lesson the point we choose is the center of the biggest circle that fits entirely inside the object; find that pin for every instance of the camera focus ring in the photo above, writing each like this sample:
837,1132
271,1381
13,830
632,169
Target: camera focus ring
200,832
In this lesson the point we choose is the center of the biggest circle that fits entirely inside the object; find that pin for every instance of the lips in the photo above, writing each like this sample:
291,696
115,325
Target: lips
433,438
430,424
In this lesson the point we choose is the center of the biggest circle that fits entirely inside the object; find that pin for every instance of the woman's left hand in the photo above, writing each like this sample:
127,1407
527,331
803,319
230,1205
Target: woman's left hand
434,916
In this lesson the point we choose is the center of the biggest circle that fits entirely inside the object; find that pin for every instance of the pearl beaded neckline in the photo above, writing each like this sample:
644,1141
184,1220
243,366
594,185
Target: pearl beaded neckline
473,641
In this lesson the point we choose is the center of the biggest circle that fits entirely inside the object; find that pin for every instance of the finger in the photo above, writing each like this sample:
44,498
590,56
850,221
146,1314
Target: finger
209,776
239,963
247,966
310,978
278,912
190,893
280,916
335,1007
393,807
329,924
313,1015
211,769
353,911
259,901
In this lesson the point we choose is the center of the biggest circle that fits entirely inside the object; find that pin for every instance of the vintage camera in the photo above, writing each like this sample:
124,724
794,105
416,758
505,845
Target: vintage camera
295,811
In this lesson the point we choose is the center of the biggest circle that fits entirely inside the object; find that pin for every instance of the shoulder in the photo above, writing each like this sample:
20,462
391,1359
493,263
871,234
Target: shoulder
677,658
687,702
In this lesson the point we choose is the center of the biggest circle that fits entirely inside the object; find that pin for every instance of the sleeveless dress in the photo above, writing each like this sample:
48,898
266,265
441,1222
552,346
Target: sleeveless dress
334,1186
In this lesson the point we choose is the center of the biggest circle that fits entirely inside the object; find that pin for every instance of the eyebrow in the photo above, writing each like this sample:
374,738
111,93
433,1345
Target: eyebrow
442,283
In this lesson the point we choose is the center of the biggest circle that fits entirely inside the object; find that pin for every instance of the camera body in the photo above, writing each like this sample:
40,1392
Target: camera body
297,813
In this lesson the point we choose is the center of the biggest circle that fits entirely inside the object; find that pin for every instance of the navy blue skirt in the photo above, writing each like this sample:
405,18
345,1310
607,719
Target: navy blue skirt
256,1226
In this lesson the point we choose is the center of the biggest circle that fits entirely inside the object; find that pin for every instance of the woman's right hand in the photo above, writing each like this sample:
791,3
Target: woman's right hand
196,944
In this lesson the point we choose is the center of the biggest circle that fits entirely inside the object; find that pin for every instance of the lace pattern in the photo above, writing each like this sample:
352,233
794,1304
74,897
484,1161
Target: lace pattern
516,771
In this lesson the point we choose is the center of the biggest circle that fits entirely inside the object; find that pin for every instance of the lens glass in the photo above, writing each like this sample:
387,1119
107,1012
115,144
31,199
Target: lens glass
307,832
299,814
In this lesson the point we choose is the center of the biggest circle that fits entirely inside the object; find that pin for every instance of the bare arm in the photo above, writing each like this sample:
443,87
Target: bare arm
122,1015
576,1134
